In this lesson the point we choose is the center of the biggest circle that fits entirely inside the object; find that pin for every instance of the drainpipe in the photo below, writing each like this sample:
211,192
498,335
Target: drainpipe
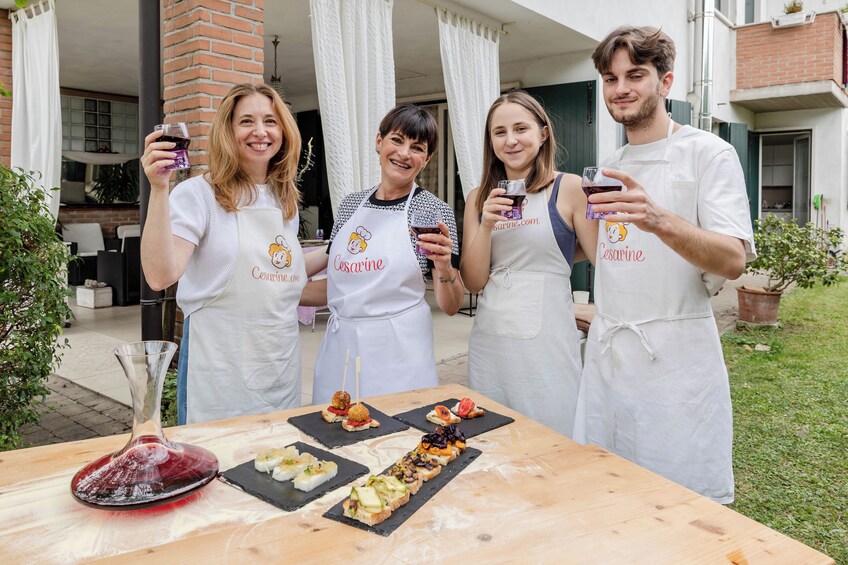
149,112
703,59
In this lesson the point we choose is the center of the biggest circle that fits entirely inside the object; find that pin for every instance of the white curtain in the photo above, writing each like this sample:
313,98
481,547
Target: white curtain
355,71
472,82
36,110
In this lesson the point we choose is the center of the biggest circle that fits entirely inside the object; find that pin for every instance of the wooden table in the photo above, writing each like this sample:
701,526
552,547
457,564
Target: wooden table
532,496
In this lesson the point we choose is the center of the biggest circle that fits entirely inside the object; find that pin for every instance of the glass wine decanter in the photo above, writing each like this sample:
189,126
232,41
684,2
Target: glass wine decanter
150,469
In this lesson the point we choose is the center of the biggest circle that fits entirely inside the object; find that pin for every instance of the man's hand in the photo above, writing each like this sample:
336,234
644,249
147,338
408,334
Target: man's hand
632,205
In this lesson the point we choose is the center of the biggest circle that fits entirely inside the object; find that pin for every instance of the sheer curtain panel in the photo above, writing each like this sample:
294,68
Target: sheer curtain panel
36,110
355,71
472,82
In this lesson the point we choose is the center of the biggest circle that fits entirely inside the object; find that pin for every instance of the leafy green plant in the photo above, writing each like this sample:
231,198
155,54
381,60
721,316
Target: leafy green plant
791,254
32,300
116,182
793,7
168,411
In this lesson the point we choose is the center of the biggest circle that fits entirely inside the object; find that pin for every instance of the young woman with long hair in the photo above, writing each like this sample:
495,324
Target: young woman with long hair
524,347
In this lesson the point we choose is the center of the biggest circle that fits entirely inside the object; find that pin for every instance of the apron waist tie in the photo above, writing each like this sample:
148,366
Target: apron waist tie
606,339
507,274
617,325
335,320
507,277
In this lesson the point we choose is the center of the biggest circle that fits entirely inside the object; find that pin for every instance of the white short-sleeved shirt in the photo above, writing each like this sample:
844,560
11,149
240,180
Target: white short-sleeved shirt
198,218
712,164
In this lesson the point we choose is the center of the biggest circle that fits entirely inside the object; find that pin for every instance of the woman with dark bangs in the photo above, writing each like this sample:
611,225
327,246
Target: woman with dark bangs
375,277
230,238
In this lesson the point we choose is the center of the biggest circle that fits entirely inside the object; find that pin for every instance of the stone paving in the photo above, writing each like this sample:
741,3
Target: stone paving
72,412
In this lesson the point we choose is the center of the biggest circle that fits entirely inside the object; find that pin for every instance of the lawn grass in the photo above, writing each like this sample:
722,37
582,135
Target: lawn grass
790,407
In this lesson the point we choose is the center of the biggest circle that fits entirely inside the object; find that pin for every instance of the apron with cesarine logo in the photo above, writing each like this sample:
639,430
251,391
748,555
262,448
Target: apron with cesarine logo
375,292
244,345
655,388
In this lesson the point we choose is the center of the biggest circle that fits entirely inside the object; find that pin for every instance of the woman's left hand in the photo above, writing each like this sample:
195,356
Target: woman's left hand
440,246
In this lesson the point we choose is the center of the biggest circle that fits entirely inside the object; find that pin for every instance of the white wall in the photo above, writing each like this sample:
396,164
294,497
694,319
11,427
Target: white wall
829,150
724,77
774,8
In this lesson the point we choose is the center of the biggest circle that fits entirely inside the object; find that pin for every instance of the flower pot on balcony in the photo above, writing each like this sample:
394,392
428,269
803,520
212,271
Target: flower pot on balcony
758,306
794,19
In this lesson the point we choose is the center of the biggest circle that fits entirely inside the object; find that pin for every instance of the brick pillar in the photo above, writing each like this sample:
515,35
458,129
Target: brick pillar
209,45
6,79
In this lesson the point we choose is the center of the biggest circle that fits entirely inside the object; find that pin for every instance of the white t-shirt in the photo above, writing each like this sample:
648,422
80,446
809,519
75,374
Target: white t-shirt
712,164
198,218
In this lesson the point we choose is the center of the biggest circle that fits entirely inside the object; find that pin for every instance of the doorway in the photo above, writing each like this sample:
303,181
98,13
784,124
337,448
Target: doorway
786,175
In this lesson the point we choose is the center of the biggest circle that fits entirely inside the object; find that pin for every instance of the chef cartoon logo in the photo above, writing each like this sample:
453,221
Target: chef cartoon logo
616,231
280,253
358,240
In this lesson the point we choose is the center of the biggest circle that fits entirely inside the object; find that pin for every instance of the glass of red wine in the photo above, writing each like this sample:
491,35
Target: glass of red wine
517,192
150,469
594,182
176,133
424,221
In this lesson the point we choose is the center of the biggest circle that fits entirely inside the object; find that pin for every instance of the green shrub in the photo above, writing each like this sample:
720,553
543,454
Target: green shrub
169,400
793,254
32,300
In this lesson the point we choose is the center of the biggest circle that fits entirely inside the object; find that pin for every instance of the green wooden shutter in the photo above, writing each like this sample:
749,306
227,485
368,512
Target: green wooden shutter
571,108
681,111
753,177
737,136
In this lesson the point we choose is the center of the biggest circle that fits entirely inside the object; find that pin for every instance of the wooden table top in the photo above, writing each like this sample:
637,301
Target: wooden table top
532,496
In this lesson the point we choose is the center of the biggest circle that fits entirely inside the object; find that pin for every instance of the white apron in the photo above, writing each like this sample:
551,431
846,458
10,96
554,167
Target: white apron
375,292
244,345
655,388
524,349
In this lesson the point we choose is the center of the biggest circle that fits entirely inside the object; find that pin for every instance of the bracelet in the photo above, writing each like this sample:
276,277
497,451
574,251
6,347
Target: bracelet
449,281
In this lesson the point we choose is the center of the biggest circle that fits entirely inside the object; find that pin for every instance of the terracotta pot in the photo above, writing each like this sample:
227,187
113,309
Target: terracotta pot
758,306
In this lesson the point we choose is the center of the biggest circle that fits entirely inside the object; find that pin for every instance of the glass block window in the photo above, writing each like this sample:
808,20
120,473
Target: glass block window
91,124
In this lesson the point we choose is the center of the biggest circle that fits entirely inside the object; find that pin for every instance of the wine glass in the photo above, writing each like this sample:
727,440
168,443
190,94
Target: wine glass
515,191
176,133
594,182
424,221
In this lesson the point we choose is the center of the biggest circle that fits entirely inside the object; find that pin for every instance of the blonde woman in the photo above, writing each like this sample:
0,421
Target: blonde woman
240,352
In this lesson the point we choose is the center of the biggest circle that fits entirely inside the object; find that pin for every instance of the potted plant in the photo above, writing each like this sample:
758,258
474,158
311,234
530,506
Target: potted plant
117,182
789,254
793,7
793,15
33,263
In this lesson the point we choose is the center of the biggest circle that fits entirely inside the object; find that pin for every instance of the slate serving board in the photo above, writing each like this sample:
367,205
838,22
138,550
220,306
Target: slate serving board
470,427
416,501
282,494
334,435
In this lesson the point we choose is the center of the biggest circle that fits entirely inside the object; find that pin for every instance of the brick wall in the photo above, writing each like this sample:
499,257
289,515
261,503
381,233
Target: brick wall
109,217
209,46
807,53
6,79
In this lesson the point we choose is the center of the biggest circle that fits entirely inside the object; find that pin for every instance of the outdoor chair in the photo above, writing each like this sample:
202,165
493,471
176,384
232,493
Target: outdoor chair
122,269
89,240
